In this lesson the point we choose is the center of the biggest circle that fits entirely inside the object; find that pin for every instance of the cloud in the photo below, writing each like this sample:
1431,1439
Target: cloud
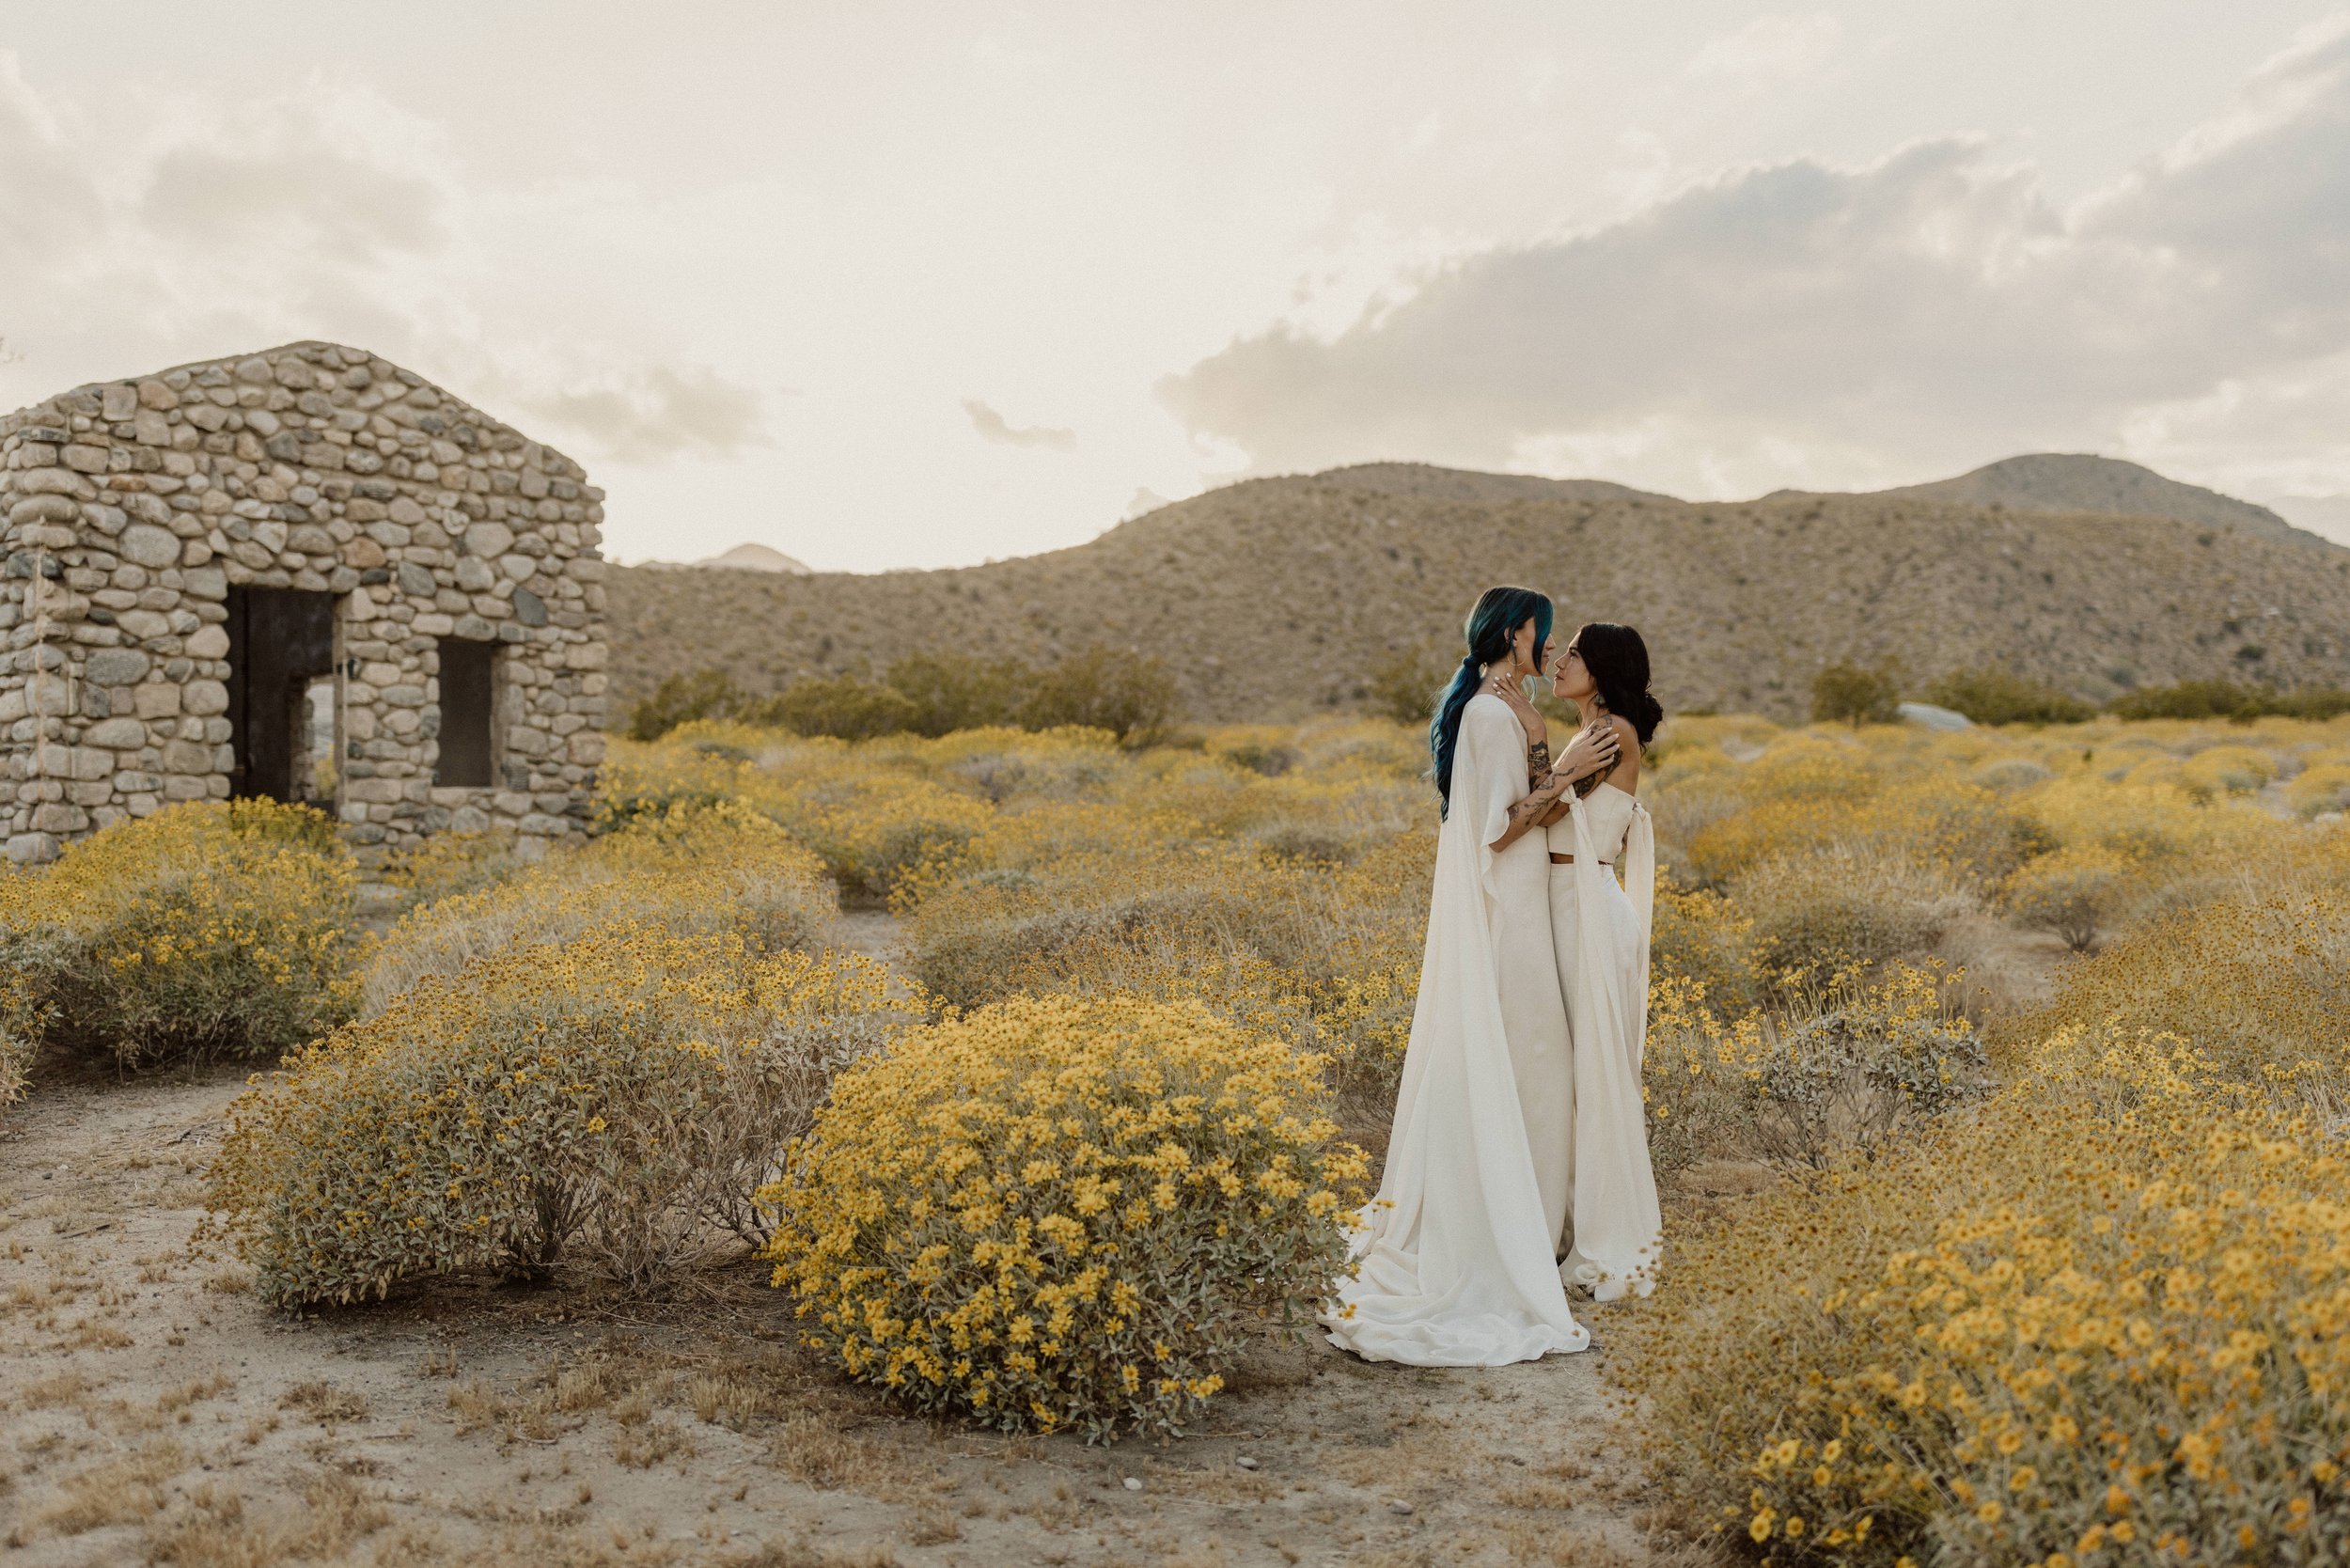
1768,48
325,212
657,414
314,196
1934,307
992,426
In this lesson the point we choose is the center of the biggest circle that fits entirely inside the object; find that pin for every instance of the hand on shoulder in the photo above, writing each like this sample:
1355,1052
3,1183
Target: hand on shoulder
1512,695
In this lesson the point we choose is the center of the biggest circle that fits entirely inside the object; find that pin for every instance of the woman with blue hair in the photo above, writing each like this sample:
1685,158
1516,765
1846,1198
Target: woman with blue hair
1457,1261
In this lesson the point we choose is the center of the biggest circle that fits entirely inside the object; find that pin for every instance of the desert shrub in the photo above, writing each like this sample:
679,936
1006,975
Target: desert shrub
2257,982
448,863
208,930
2095,1320
621,1095
1818,910
1063,1212
875,832
1703,937
683,698
1847,694
656,780
2205,699
2076,892
959,694
2011,772
1130,695
720,868
996,932
1992,696
1057,764
1261,748
2318,790
2312,702
18,1021
841,706
1853,1064
1830,1066
2236,770
1403,683
1970,834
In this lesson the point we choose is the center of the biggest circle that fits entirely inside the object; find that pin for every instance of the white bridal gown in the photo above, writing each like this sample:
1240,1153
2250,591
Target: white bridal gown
1458,1254
1602,931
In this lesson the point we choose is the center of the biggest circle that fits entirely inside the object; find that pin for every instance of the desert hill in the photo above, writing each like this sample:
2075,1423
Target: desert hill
1277,596
2077,481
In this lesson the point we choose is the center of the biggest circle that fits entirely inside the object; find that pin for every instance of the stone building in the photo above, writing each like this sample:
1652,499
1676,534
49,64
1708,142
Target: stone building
306,574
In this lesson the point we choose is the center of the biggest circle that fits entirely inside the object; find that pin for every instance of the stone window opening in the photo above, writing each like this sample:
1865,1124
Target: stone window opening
469,728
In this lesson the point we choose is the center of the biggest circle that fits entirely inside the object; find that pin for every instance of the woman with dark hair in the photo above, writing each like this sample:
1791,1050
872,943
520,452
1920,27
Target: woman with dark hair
1599,931
1457,1258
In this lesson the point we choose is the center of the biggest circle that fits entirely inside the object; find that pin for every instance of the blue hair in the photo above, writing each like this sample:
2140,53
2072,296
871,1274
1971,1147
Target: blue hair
1499,612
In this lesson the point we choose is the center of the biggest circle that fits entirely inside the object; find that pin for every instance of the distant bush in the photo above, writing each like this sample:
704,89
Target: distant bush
1403,684
950,693
2076,892
621,1095
2234,770
208,930
1847,694
2002,697
840,706
1818,910
691,870
2207,699
681,700
2320,788
1063,1212
1130,695
1127,694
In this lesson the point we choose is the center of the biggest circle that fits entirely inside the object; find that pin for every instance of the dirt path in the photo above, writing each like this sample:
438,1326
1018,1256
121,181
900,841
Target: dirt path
155,1411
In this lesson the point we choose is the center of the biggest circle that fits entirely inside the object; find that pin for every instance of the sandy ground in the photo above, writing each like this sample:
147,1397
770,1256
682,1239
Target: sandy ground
155,1412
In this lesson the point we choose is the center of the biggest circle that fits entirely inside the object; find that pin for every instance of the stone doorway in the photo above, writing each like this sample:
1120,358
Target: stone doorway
282,695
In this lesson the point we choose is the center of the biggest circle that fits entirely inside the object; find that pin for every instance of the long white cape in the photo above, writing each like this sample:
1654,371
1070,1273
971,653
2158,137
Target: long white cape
1455,1263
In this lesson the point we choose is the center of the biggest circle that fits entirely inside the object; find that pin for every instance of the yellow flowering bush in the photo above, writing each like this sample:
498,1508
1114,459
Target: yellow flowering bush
19,1018
2106,1319
2317,789
2077,892
1852,1061
1063,1212
1820,908
2258,984
685,867
621,1096
208,930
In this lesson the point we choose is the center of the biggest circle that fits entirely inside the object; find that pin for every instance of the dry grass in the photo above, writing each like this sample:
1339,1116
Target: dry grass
122,1491
213,1530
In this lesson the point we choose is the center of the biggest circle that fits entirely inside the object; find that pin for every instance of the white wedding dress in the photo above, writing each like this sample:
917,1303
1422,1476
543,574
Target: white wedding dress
1602,931
1456,1258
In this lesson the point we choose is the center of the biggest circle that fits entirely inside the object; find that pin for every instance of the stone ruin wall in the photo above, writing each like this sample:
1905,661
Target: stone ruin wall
133,506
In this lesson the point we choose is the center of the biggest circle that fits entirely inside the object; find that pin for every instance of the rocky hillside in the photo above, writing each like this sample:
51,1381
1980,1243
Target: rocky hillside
2073,482
1274,597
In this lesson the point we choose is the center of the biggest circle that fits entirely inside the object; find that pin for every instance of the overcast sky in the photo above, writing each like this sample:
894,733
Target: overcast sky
885,285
